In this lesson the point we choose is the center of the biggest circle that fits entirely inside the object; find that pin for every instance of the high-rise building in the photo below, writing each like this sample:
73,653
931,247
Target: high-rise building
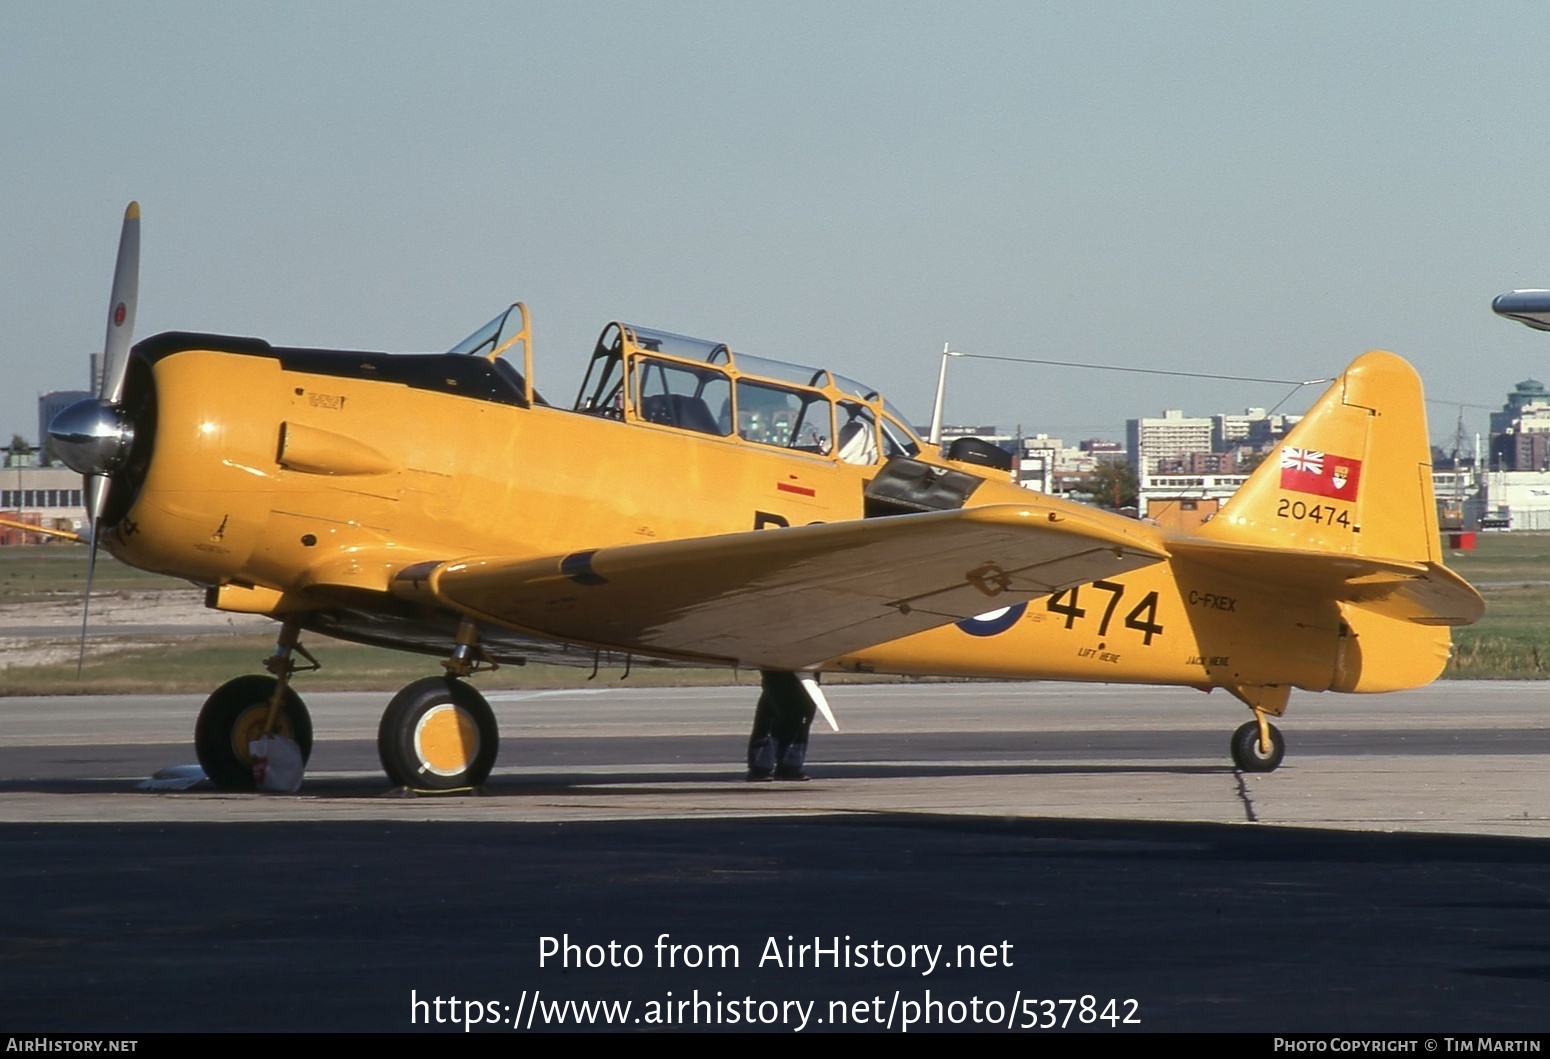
1170,437
1528,401
50,405
1520,432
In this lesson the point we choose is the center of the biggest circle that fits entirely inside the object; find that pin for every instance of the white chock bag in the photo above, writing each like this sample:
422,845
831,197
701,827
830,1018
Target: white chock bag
277,764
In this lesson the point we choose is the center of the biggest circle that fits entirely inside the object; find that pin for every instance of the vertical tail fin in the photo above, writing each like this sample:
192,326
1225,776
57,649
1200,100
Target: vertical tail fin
1354,477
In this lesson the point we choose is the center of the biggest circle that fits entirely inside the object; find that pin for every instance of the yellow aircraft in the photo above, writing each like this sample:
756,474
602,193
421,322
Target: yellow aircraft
697,505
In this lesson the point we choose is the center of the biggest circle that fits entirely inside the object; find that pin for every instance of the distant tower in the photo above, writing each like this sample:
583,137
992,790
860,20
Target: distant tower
1527,396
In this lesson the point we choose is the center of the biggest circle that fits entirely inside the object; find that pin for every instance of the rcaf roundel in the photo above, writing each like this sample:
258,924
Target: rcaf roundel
993,621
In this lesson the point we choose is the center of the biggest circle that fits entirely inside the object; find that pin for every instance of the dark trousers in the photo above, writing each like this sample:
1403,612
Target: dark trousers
780,724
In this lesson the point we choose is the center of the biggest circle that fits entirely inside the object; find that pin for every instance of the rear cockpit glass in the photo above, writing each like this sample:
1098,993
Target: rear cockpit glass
903,436
897,440
857,437
681,346
779,370
605,395
780,406
791,419
675,395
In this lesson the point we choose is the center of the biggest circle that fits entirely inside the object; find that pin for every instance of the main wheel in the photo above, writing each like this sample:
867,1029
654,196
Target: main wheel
438,734
232,717
1246,751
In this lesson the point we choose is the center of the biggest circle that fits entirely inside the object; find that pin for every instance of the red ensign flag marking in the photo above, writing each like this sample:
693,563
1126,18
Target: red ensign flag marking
1320,473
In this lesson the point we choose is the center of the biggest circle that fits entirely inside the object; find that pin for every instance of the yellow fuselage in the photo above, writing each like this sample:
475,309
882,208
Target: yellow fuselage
285,489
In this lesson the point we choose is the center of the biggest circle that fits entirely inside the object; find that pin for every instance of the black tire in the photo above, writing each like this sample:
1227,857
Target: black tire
232,717
438,734
1248,756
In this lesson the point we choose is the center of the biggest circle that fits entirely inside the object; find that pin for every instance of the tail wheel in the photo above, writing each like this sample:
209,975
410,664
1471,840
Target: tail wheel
233,716
1249,756
438,734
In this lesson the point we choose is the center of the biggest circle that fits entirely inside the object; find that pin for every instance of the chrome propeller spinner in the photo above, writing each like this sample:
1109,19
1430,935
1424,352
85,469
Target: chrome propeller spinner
92,436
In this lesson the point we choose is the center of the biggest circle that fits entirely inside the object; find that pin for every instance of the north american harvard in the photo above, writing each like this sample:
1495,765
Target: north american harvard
695,504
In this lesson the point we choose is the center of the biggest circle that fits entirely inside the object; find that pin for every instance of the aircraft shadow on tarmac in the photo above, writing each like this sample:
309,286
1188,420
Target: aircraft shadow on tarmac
329,926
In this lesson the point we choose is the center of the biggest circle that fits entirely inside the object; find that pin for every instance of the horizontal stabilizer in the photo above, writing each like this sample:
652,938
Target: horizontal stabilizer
1425,593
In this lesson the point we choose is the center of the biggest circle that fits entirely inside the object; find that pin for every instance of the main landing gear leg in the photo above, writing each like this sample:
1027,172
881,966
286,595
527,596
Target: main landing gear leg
1258,746
250,707
439,734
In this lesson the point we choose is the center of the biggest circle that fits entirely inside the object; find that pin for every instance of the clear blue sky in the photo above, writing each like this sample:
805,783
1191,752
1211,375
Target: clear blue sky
1241,188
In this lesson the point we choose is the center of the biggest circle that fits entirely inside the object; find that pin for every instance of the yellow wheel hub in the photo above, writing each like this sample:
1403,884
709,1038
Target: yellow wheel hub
250,726
446,740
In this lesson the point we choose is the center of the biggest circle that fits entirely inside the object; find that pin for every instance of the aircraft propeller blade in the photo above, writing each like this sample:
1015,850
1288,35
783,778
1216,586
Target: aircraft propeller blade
121,309
93,436
97,486
91,569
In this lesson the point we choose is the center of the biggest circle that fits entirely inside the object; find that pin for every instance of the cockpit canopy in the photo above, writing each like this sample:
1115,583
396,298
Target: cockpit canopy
639,374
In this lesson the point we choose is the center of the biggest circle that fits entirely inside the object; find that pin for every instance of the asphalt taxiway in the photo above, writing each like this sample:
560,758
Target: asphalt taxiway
1393,874
1457,757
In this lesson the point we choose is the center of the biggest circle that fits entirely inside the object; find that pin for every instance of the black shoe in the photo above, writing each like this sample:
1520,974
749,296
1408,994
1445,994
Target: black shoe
791,775
760,776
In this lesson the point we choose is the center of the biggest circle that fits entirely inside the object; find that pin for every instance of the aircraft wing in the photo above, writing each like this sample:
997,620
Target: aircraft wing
792,597
1424,593
30,528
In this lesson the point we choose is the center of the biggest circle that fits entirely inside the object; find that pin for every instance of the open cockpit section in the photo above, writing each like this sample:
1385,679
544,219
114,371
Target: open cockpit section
640,375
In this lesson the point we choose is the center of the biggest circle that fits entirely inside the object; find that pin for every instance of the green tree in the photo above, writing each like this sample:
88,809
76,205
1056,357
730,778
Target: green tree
18,451
1249,461
1114,485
